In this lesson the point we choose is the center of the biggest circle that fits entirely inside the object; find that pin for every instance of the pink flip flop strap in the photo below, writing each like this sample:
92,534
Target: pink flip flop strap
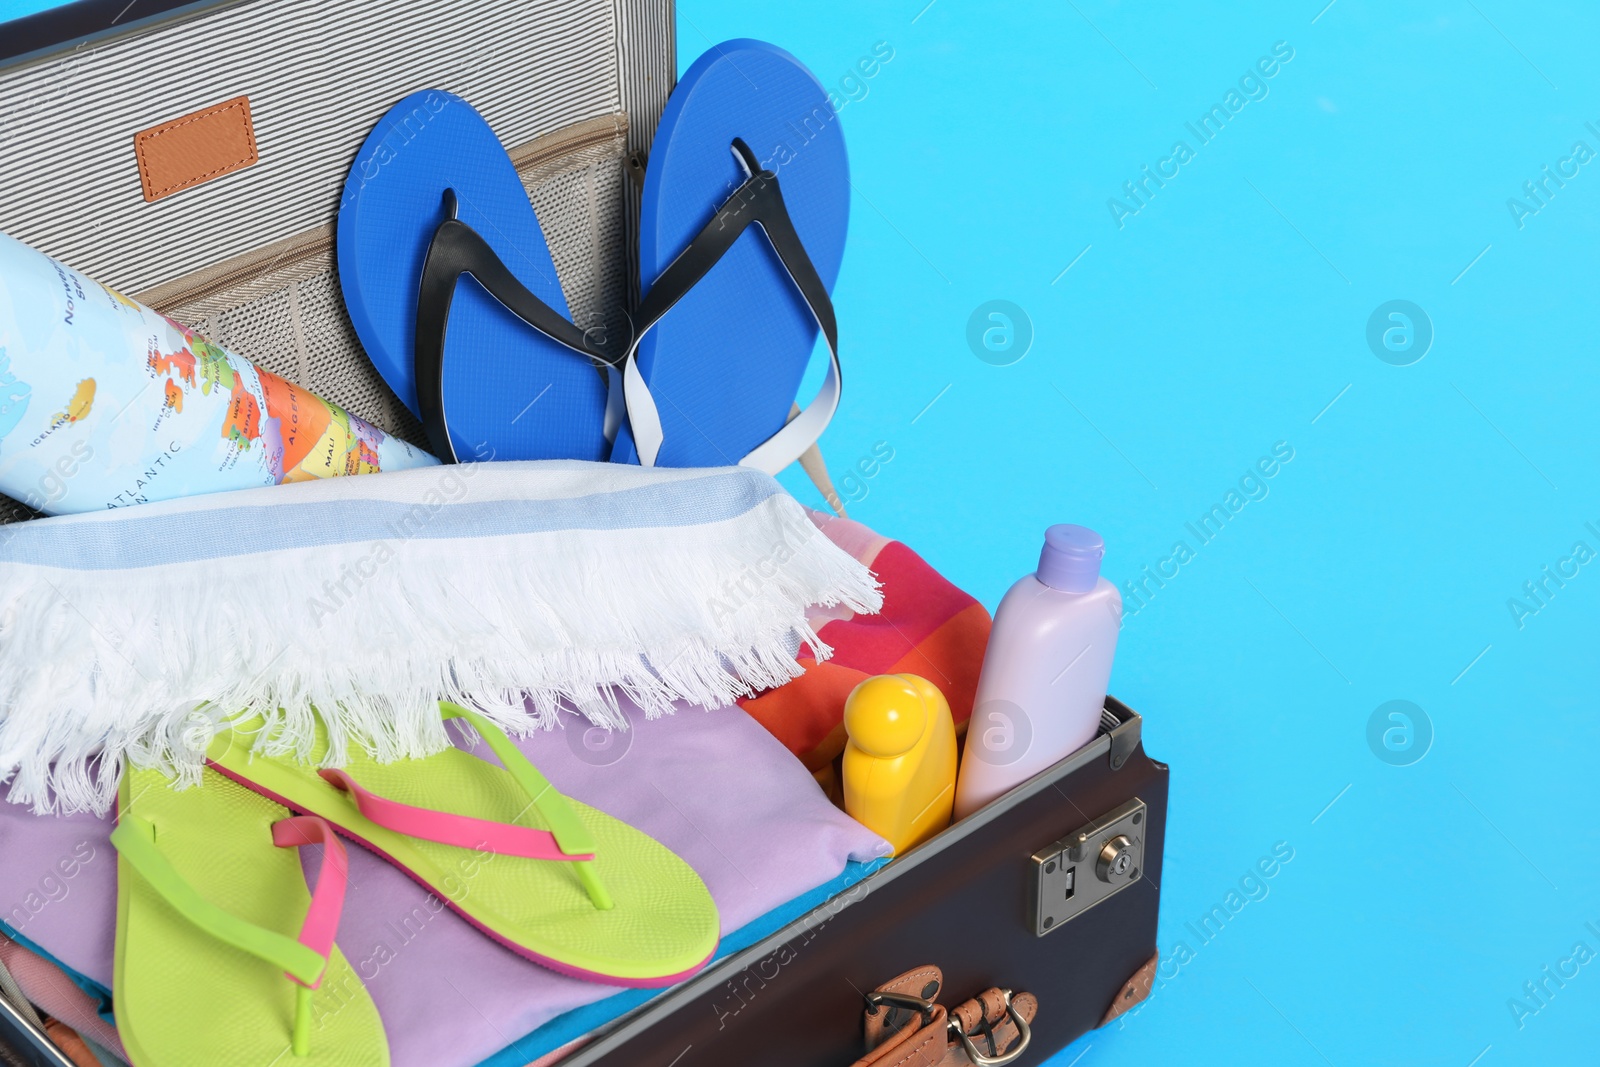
463,831
327,896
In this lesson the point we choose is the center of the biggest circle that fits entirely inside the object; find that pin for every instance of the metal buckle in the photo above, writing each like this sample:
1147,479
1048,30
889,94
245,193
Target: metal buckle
979,1059
878,998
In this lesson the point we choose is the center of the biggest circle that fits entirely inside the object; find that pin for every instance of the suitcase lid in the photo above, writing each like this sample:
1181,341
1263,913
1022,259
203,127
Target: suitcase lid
54,25
315,76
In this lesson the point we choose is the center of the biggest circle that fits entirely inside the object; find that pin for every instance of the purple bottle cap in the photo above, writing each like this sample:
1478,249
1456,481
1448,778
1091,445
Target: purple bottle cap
1071,558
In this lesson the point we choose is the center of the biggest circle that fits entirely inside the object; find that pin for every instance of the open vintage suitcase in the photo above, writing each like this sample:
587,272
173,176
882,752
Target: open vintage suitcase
242,251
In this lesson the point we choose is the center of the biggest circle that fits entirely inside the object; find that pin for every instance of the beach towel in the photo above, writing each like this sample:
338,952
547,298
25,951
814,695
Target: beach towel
925,626
520,589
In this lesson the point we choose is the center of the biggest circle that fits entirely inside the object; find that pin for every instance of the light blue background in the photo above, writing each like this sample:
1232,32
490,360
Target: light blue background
1225,316
16,9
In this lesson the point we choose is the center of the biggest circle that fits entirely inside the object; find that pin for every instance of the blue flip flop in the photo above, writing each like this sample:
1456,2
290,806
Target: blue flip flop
512,390
748,141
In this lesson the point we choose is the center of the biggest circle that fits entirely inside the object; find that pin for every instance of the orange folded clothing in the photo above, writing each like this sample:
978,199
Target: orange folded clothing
68,1041
927,627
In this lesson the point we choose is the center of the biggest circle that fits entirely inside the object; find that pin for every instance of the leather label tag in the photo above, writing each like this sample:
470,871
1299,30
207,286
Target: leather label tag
202,145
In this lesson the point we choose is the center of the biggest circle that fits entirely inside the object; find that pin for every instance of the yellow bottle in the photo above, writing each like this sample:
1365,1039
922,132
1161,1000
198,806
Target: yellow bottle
900,763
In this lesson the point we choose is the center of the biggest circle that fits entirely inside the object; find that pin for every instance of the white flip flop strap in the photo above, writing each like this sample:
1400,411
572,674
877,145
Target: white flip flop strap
643,418
802,431
770,456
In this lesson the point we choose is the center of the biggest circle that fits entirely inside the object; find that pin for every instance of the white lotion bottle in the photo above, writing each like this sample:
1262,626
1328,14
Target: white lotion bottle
1046,669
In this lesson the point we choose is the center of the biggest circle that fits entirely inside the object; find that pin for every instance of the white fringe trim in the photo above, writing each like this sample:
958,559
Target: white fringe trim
148,665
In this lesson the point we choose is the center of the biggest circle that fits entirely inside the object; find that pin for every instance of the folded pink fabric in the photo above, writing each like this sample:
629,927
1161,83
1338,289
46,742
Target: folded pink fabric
713,786
49,989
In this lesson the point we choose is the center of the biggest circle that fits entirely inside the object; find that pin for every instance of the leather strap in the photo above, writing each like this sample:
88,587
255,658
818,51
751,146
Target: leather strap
909,1029
923,1045
922,982
985,1020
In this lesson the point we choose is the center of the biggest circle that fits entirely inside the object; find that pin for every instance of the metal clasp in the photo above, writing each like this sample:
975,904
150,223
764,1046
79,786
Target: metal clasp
979,1059
879,998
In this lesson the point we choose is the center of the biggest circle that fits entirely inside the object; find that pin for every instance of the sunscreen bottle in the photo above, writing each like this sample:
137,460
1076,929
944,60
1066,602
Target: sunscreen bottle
900,762
1046,669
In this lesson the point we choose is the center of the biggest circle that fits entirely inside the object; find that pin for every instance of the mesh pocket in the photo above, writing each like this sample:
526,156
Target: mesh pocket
580,210
292,323
286,313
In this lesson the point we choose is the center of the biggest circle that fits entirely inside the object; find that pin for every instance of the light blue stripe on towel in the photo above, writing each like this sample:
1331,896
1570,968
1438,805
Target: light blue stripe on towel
147,540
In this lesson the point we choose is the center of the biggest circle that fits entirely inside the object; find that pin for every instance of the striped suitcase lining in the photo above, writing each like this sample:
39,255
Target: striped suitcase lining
318,77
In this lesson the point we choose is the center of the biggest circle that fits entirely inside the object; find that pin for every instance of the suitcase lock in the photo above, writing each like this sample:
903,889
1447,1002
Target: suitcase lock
1086,867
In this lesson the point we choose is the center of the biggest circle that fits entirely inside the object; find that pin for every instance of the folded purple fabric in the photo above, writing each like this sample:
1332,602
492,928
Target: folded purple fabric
715,787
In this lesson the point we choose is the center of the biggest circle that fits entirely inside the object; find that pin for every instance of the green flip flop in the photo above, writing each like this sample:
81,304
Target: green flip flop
556,881
223,956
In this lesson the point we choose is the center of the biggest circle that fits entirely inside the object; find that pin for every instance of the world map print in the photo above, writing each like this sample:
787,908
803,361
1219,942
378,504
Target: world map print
106,403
